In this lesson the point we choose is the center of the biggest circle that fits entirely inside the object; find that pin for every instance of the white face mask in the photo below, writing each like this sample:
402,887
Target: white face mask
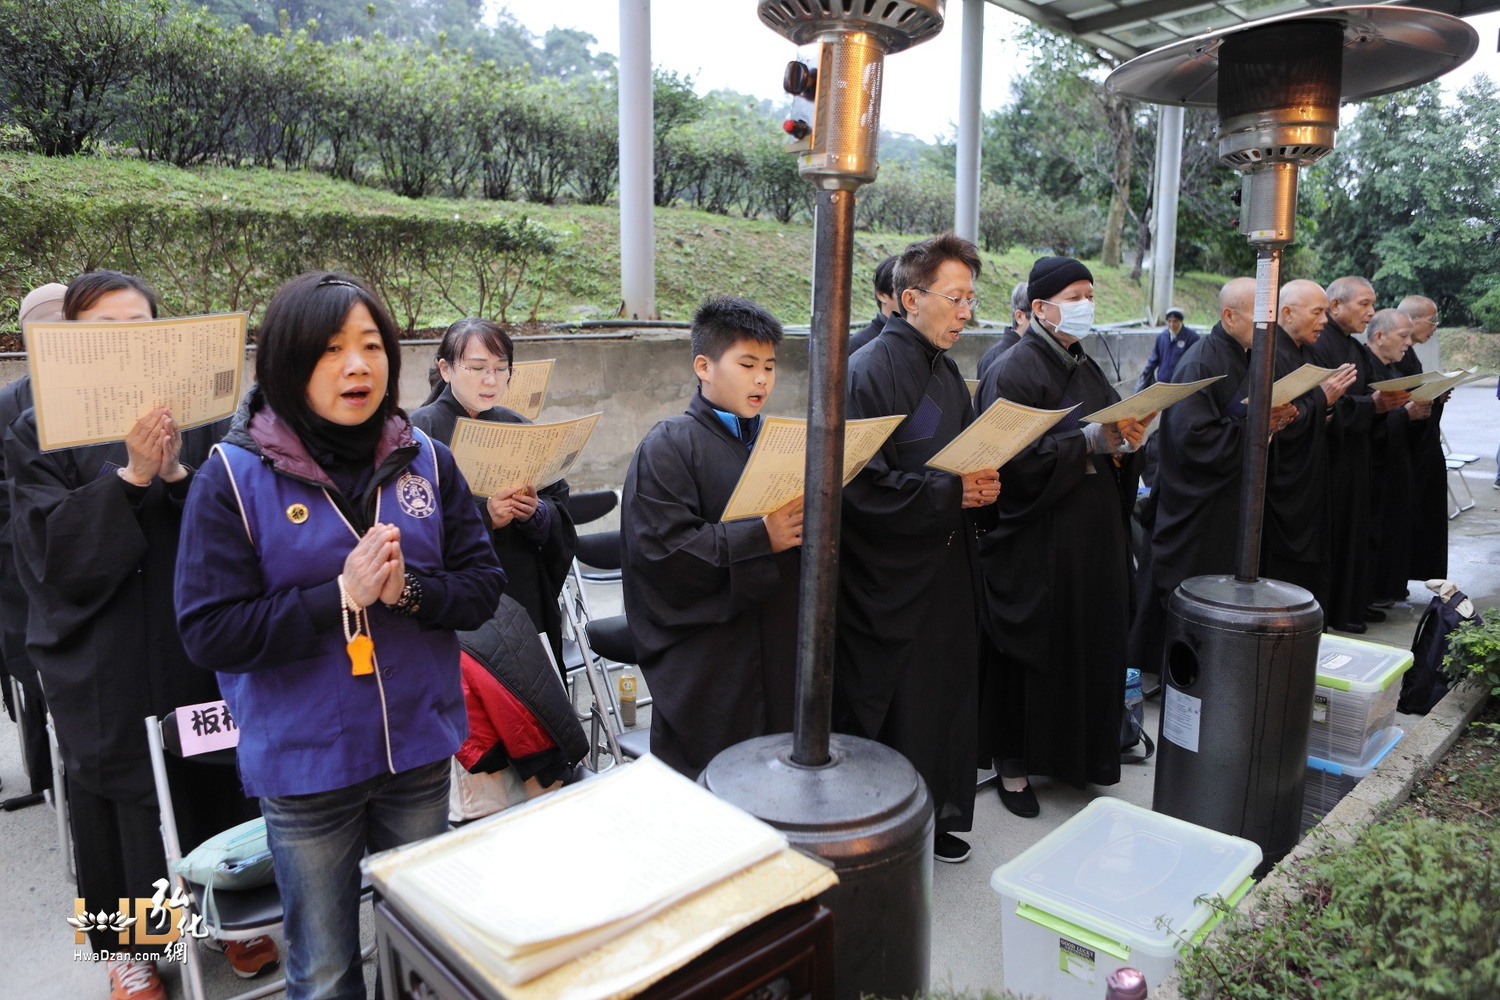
1077,317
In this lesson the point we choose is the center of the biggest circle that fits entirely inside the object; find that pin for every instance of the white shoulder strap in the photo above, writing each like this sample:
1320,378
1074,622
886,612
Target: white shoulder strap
229,468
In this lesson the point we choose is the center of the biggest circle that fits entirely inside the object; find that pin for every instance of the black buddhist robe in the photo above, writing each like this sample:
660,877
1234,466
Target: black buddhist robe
1196,495
1349,430
859,338
1057,578
1008,338
907,657
36,757
1429,488
1295,531
536,558
96,557
712,610
1390,494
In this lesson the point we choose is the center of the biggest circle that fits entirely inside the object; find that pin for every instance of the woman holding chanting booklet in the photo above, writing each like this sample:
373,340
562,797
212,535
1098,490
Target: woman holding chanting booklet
531,529
95,531
330,551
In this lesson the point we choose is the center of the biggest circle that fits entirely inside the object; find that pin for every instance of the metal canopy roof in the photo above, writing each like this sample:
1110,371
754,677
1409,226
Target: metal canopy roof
1128,28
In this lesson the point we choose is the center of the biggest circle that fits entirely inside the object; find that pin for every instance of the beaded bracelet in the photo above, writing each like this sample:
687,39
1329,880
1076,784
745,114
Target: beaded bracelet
410,601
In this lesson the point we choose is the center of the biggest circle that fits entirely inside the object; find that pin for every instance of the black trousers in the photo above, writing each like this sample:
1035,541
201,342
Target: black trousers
117,845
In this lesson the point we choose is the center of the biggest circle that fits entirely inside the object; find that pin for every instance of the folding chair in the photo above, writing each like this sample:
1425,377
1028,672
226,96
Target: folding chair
1456,464
241,913
584,508
60,799
610,639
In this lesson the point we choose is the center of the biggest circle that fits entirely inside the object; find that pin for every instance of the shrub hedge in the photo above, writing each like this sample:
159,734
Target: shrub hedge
209,258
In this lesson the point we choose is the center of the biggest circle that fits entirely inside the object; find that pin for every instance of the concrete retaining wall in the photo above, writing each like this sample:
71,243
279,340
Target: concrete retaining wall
639,377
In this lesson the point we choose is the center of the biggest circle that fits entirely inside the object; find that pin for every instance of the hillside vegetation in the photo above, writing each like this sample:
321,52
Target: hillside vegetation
61,215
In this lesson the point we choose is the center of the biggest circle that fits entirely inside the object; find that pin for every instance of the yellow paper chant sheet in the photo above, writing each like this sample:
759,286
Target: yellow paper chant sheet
995,437
527,390
1152,399
777,468
497,456
93,381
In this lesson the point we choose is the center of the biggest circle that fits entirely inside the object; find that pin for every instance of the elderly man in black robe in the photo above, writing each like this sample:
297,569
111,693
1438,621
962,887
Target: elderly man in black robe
1429,468
1020,319
1351,306
1388,339
1056,564
907,643
1294,535
1196,496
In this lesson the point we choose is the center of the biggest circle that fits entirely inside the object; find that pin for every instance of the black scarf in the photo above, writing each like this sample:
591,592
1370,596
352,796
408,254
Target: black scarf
327,441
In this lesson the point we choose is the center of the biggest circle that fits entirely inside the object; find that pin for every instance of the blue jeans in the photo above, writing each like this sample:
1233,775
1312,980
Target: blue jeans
317,842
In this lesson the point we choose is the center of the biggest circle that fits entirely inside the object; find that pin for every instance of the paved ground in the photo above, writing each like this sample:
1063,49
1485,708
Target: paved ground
36,893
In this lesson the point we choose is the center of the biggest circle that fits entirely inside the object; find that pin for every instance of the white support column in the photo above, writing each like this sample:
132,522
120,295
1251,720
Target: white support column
637,228
971,65
1168,183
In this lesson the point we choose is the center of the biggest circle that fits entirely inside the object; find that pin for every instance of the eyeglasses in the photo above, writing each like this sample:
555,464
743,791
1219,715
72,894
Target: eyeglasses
969,304
500,373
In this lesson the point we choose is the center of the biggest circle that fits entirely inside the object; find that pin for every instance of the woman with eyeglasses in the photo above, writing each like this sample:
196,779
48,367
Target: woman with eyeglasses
330,552
530,529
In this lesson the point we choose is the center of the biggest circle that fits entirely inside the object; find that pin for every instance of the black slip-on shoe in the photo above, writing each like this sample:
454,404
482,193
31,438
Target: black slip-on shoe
1022,803
946,847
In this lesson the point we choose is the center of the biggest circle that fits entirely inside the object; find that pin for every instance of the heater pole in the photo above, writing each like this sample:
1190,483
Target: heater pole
1258,426
827,364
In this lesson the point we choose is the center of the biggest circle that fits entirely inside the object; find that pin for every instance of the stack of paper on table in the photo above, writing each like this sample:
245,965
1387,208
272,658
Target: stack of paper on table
522,899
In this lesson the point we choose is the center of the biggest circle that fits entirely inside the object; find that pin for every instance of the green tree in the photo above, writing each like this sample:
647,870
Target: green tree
1411,197
63,64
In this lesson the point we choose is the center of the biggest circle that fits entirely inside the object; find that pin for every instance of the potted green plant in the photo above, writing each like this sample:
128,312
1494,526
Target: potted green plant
1474,652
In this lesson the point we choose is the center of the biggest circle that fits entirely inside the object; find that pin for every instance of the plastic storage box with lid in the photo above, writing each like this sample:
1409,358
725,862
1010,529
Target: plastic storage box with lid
1329,781
1115,885
1359,684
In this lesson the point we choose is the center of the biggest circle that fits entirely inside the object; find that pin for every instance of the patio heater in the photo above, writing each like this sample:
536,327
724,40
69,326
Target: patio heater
854,802
1241,653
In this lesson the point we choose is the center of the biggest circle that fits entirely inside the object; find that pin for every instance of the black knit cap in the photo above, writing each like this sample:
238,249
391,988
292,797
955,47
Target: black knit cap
1050,275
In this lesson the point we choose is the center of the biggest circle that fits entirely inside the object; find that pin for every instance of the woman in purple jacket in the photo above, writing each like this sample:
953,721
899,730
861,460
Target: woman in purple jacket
329,553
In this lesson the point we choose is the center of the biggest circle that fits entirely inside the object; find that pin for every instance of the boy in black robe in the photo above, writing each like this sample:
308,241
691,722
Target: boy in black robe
1195,524
907,655
712,606
1057,572
1294,537
1429,468
1351,305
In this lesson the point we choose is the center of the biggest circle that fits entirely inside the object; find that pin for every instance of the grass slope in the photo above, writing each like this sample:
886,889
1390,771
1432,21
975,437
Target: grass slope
697,253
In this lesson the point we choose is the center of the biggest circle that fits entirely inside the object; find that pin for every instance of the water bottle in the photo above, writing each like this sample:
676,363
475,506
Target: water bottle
1135,705
627,697
1125,984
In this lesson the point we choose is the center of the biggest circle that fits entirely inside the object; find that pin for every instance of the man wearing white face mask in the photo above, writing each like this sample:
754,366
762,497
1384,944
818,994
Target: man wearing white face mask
1056,565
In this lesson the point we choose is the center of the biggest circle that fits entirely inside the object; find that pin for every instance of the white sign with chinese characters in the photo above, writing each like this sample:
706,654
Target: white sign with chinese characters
206,727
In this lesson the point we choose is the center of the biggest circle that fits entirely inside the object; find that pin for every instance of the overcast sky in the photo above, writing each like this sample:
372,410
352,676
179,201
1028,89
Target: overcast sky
722,44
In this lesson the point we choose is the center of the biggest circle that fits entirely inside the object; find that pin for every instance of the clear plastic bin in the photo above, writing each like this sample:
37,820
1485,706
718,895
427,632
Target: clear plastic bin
1329,781
1115,885
1359,684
